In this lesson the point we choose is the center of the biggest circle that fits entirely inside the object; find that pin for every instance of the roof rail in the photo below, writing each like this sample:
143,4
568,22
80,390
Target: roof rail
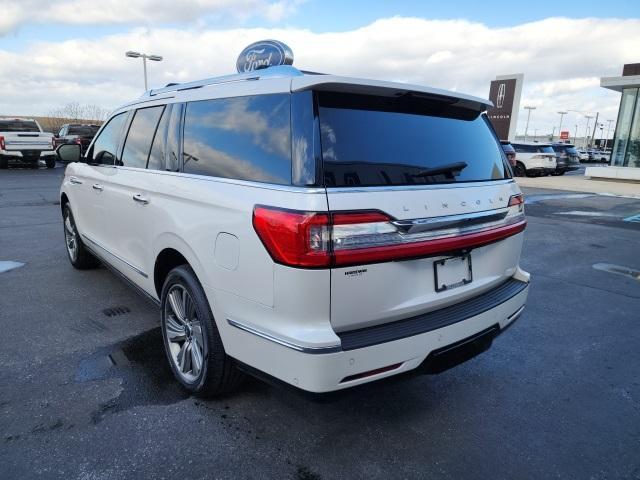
280,71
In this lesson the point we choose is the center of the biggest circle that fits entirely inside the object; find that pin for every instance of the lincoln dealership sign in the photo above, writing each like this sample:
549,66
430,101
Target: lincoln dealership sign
505,95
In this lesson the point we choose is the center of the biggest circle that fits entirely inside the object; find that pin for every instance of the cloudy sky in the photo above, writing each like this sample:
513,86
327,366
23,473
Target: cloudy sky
52,53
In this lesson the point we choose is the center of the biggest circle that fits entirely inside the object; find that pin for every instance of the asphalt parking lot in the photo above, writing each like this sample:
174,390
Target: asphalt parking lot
86,391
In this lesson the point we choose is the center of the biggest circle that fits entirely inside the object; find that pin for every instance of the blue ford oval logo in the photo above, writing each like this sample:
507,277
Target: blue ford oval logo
263,54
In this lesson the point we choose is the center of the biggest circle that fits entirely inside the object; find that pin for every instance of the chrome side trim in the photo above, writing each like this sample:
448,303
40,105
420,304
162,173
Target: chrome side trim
117,257
386,188
231,181
280,341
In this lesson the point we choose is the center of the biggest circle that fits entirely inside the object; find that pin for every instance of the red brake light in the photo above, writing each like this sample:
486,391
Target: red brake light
1,142
294,238
516,200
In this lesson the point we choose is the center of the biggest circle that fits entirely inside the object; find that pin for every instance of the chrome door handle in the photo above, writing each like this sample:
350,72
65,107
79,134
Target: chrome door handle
97,186
140,199
75,181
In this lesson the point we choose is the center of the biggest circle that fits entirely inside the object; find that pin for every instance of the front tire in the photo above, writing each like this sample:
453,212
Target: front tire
519,170
191,338
4,163
78,254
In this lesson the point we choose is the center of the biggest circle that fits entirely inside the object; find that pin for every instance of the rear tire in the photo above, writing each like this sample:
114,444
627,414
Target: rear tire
191,338
50,161
519,170
78,254
4,163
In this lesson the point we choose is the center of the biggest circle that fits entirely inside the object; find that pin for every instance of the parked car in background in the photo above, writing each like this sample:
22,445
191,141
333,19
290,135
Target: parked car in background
22,141
324,268
510,152
567,158
534,159
81,134
602,156
584,155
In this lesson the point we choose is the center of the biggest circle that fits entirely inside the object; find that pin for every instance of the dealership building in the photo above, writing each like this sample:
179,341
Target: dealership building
625,156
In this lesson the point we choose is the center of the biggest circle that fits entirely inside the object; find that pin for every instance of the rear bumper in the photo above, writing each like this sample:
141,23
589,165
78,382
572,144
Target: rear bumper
27,155
423,344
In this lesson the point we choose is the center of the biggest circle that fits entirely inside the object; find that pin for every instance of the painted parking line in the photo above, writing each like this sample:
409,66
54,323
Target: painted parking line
6,265
580,213
618,270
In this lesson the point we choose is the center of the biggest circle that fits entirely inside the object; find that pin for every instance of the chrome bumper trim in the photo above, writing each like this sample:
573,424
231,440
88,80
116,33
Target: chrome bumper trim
280,341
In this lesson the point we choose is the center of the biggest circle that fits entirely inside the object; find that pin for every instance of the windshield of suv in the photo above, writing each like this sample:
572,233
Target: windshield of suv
18,126
375,141
84,130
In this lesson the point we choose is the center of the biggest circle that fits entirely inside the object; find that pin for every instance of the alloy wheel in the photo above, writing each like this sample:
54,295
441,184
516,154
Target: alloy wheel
71,236
183,332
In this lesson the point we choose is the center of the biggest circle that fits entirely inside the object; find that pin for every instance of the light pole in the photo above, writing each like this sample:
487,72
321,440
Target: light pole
526,129
575,136
601,127
562,114
153,58
535,134
586,131
606,140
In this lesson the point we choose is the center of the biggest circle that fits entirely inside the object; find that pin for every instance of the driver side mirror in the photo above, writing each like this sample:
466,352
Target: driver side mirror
69,152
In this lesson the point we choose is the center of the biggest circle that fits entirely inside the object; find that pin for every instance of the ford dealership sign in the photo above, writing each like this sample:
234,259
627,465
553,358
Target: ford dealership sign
263,54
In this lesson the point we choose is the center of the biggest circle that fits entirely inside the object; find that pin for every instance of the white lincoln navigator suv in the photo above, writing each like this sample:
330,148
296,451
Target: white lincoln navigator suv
320,230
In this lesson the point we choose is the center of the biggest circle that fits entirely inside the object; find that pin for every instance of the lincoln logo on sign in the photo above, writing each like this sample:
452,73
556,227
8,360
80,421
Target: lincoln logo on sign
501,94
564,135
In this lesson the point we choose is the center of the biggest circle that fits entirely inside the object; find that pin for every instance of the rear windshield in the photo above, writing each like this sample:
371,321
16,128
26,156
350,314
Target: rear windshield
83,130
18,126
376,141
523,148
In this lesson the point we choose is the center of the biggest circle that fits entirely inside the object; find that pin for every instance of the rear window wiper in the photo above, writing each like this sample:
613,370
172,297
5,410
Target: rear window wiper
442,169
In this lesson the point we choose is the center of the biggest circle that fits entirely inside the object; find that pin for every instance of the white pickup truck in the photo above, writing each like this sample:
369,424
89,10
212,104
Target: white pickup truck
23,141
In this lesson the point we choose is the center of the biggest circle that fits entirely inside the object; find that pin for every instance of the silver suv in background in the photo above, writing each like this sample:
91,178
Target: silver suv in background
315,229
534,159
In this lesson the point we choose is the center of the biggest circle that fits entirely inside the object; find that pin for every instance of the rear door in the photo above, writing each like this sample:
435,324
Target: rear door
429,182
129,196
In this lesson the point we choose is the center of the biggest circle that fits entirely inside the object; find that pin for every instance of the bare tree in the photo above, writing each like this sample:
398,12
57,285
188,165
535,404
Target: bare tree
74,113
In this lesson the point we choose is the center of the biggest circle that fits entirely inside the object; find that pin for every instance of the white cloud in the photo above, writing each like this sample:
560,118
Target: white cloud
562,60
147,12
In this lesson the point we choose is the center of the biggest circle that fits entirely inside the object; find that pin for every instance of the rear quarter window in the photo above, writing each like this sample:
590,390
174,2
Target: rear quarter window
377,141
244,138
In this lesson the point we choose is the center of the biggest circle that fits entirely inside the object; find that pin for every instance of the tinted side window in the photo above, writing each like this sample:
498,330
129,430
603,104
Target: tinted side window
104,148
140,136
245,138
157,155
523,148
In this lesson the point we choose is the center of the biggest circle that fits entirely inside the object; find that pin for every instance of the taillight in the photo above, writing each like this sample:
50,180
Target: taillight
516,200
294,238
1,142
78,141
321,240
